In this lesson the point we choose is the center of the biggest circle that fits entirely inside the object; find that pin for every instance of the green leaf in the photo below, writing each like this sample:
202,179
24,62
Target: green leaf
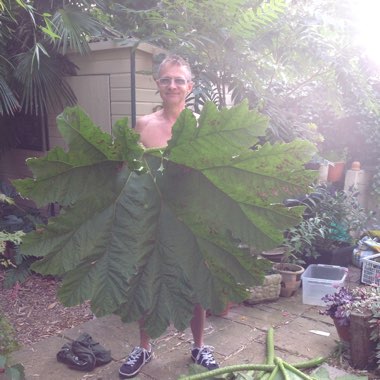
48,28
255,181
152,235
59,176
322,373
72,26
40,76
15,372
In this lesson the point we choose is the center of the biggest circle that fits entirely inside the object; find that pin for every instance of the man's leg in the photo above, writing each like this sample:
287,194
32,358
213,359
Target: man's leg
144,337
200,353
197,325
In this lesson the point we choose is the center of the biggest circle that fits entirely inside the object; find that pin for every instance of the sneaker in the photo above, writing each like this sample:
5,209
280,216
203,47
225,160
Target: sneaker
204,357
135,361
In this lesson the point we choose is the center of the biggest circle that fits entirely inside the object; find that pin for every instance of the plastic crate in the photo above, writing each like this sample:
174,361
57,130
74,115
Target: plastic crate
319,280
371,270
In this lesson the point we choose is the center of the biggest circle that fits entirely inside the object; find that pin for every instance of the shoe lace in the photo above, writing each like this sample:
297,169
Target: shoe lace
134,355
205,354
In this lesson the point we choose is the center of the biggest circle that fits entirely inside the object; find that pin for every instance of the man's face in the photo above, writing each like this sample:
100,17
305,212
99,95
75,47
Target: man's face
174,83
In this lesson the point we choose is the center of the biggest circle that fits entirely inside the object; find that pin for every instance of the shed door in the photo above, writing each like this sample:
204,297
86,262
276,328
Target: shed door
93,94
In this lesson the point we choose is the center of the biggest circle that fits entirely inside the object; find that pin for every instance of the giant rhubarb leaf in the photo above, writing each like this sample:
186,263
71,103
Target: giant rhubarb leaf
150,232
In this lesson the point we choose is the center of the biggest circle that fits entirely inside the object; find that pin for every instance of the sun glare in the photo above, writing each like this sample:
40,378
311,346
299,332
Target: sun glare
366,16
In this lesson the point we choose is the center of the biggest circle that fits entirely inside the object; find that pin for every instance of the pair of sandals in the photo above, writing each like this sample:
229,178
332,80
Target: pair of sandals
84,354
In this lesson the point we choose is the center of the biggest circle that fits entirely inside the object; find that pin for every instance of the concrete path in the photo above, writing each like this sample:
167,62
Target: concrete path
238,338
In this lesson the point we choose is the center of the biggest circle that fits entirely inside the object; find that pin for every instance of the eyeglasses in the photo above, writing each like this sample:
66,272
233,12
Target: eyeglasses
166,81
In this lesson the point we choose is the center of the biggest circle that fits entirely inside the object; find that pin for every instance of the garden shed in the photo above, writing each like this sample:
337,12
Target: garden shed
113,81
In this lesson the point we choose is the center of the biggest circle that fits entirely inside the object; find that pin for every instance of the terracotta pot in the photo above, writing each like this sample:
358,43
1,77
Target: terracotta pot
342,330
291,278
336,172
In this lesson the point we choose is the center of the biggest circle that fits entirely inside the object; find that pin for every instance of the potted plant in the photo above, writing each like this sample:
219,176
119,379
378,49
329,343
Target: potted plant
338,307
284,277
300,242
290,277
332,219
286,272
356,316
344,220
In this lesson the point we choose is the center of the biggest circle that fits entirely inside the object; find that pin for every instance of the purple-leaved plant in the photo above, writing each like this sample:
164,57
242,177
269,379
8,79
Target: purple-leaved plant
338,305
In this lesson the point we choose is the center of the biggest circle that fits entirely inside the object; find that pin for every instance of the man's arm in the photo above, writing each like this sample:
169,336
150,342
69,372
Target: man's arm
140,124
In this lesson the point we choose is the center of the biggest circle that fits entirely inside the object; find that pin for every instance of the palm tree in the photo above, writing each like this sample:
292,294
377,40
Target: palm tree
34,36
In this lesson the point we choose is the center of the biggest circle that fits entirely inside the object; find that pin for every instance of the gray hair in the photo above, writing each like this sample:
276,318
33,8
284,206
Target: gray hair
175,60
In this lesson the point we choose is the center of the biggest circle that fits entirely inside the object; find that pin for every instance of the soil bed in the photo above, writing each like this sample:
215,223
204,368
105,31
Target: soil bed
35,312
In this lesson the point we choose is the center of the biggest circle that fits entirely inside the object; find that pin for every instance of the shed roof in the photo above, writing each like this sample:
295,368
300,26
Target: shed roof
106,44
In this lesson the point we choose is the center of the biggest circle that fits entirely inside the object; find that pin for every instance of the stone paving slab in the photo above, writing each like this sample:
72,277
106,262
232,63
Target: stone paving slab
252,353
313,313
40,363
110,332
292,305
263,317
238,338
295,337
229,336
168,366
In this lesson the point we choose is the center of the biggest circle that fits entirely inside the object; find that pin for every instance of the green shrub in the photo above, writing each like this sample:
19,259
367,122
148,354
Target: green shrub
15,221
7,340
7,345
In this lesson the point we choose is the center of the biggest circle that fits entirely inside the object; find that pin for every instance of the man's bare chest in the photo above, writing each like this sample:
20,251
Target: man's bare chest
155,135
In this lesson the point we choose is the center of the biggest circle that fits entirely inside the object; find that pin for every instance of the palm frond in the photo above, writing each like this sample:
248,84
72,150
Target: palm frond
74,27
8,102
42,83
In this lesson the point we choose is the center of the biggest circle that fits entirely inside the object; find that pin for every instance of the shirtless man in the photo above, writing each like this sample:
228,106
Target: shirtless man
174,84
